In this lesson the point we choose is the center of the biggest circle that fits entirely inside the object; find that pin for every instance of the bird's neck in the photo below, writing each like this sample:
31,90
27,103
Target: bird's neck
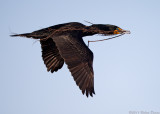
90,30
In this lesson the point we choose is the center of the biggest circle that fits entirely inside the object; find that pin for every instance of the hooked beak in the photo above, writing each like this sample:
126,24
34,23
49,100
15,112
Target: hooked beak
124,32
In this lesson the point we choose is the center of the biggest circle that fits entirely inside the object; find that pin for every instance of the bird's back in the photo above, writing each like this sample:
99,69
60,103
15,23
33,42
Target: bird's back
53,30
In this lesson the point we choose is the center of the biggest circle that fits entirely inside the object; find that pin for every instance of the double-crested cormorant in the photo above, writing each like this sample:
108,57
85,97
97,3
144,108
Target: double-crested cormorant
63,43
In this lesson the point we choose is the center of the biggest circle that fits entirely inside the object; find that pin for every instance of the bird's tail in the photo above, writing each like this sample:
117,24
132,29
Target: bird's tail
27,35
22,35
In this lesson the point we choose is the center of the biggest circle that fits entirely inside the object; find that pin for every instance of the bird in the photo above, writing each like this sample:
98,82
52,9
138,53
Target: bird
63,43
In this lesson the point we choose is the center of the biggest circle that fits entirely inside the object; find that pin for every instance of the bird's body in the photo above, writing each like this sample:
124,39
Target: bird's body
63,43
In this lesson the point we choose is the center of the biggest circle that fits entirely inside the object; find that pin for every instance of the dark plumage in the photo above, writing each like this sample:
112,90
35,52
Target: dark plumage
63,43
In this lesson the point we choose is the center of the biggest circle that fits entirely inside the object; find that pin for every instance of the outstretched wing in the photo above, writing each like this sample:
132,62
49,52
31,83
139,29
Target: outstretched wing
50,54
79,59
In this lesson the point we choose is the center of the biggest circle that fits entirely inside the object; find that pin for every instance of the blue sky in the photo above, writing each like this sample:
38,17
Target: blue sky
127,69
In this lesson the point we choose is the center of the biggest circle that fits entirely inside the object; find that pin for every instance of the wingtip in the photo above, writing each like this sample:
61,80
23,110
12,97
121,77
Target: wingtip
88,93
83,91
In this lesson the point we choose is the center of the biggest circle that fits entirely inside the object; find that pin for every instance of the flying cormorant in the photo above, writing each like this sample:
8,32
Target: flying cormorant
63,43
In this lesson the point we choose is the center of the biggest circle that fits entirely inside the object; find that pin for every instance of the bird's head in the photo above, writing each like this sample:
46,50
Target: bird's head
108,29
